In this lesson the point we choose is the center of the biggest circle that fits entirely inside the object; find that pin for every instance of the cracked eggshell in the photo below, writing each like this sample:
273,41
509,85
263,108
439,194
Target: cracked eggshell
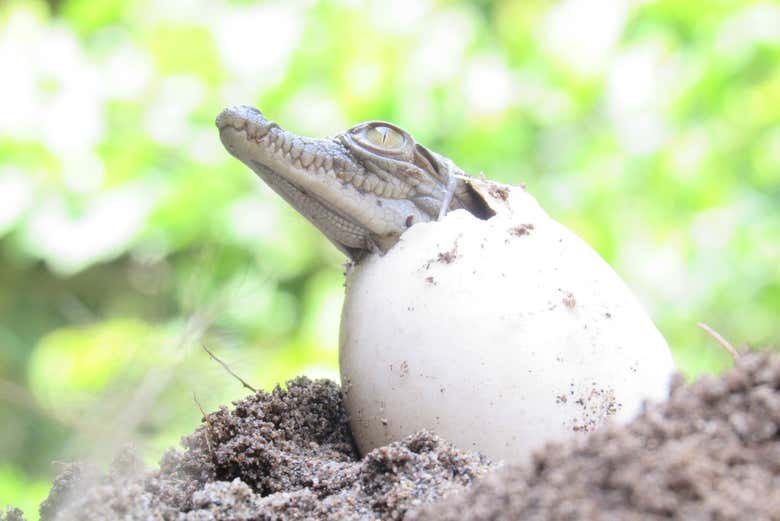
498,335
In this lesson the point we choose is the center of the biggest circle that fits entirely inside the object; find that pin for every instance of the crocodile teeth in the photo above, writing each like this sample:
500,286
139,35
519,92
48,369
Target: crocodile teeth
306,157
371,183
345,176
380,188
297,148
389,190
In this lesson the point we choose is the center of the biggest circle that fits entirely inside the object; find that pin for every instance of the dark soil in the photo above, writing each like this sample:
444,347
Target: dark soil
284,455
712,451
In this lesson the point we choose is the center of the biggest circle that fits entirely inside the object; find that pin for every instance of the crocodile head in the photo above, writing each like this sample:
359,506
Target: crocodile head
362,188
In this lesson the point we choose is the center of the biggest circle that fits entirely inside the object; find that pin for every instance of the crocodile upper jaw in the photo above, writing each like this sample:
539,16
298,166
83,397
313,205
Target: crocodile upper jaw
362,188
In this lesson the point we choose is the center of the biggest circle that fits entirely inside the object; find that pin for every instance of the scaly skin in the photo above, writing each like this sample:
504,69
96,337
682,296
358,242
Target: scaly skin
361,188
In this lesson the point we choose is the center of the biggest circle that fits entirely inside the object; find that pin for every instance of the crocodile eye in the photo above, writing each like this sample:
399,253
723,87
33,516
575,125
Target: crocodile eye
384,137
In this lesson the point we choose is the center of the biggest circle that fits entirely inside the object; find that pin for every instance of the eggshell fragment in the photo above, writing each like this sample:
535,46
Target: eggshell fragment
499,335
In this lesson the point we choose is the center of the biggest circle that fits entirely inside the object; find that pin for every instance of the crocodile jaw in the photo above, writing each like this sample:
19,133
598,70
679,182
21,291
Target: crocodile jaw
319,178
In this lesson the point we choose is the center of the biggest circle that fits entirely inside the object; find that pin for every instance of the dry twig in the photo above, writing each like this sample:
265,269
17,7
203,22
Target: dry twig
719,339
208,426
223,364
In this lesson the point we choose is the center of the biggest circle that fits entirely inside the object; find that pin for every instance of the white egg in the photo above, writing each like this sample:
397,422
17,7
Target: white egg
498,335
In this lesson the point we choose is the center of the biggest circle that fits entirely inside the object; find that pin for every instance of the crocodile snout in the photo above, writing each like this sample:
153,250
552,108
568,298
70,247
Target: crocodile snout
238,116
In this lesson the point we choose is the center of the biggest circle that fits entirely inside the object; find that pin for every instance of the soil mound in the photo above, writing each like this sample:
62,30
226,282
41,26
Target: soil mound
284,455
712,451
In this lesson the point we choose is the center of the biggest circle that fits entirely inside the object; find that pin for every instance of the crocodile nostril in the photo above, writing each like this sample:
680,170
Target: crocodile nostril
238,116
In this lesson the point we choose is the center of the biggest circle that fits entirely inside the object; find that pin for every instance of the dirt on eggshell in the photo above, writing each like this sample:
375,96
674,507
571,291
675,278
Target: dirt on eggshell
712,451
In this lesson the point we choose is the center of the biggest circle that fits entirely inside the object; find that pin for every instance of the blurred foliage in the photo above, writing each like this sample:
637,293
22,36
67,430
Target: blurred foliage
128,237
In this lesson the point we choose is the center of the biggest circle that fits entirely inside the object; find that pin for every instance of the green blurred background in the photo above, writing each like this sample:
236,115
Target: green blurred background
129,237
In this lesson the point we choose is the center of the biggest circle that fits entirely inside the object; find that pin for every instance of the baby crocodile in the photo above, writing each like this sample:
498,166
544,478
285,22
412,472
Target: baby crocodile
361,188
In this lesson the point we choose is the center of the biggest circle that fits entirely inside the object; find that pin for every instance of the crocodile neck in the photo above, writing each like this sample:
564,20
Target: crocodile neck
362,188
